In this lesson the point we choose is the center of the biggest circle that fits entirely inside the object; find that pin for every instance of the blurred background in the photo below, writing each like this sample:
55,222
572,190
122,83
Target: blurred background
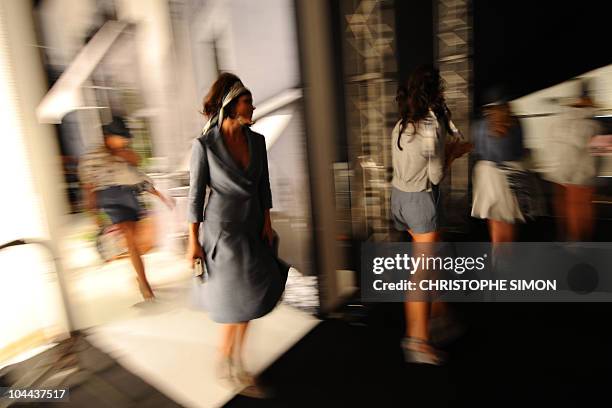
324,76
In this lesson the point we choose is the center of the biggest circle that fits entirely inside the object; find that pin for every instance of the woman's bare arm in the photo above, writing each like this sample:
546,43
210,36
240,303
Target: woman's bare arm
128,155
194,250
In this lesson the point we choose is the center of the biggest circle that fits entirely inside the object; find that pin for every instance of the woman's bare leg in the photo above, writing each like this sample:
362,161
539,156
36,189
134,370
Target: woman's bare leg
244,378
129,232
417,318
588,213
560,205
228,337
501,231
417,313
224,367
579,212
241,330
243,375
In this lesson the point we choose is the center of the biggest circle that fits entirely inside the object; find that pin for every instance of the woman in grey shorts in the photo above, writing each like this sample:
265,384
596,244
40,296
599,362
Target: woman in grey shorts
419,141
111,182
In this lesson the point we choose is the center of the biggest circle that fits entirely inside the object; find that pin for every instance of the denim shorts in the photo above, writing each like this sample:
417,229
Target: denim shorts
120,203
415,211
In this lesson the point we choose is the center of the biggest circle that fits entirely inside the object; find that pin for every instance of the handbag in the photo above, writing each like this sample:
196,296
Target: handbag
199,271
199,279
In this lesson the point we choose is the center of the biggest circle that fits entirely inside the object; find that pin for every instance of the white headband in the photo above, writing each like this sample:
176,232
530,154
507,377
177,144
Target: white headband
236,90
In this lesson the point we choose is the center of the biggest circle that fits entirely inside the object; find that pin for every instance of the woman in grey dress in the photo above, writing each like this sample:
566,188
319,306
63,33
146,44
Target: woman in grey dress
245,277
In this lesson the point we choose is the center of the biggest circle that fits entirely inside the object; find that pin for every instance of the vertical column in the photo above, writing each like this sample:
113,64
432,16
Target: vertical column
369,68
314,34
33,203
453,32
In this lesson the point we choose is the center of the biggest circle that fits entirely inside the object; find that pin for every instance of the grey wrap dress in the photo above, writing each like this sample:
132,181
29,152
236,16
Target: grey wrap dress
245,277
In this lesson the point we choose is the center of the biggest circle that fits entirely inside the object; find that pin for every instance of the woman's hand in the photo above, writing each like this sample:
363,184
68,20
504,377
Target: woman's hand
170,202
463,148
128,155
456,149
194,251
268,234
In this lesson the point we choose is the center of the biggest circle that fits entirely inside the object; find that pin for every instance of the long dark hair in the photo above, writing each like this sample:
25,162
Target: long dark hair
424,90
214,99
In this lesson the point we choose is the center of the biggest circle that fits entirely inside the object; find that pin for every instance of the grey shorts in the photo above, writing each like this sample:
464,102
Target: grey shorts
415,211
120,203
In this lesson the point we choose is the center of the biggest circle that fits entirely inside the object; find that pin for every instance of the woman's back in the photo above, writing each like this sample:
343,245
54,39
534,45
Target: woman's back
491,147
419,162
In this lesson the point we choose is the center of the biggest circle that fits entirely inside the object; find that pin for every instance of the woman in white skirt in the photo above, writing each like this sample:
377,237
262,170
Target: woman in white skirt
498,176
568,142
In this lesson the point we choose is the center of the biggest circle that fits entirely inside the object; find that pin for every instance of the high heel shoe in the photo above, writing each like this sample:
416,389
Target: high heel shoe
421,352
145,291
225,372
247,382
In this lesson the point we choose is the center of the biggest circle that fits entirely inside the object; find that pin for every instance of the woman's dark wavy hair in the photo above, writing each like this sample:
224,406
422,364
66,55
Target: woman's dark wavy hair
214,99
423,90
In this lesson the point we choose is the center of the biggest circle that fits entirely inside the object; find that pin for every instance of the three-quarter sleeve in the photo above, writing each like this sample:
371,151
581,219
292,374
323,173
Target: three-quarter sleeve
199,178
265,194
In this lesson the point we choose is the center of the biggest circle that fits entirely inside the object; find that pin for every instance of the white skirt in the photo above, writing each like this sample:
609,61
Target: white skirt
492,197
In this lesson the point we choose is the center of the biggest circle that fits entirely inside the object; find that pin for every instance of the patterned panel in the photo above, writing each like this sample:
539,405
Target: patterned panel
454,57
369,76
370,72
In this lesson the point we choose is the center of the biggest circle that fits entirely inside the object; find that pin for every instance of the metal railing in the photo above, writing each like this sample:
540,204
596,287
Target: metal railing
58,270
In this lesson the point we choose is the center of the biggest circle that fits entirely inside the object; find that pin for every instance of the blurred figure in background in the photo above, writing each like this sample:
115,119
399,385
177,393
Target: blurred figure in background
419,144
111,182
497,178
245,277
573,167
